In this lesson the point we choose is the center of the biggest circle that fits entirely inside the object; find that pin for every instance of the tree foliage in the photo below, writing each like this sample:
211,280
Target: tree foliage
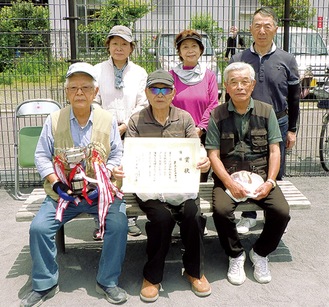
206,23
301,11
23,26
111,13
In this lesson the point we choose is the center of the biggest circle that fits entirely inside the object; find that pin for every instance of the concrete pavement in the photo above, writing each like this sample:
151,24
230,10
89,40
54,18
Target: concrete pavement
300,265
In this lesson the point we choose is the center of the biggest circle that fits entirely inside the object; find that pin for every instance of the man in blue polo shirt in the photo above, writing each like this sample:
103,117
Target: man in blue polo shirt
277,83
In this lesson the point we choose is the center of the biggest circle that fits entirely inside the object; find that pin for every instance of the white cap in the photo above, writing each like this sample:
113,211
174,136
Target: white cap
122,31
82,67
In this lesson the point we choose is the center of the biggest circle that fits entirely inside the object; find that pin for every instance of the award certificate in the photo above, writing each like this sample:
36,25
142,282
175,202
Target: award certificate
161,165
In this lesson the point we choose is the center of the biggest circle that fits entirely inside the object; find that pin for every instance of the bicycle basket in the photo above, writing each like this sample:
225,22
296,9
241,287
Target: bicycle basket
323,104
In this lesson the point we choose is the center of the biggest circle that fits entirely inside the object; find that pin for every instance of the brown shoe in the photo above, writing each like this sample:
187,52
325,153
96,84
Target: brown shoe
149,291
200,287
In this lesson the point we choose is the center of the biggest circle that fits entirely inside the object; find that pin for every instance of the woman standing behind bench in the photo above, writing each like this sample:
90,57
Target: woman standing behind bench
121,88
195,84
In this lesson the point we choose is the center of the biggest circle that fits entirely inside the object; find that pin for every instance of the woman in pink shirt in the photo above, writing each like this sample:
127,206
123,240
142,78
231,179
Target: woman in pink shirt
196,85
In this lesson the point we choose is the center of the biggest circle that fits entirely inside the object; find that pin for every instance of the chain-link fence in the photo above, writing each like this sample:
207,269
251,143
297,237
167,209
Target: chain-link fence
37,45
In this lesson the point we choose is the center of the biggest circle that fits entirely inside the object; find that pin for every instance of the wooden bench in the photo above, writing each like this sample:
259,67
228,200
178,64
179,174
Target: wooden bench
294,197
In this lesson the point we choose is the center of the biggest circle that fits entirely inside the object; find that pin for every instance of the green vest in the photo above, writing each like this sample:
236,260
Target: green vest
100,136
251,153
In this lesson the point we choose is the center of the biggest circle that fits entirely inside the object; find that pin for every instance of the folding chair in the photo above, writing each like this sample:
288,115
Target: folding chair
26,136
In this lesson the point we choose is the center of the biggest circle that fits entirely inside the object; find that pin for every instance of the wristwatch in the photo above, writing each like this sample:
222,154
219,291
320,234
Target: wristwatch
272,182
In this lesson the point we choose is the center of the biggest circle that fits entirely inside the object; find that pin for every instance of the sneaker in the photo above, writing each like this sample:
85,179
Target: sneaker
261,270
134,230
149,291
205,232
36,298
114,295
236,274
244,225
200,287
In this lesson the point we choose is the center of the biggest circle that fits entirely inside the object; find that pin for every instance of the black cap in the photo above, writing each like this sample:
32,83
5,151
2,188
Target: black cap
195,37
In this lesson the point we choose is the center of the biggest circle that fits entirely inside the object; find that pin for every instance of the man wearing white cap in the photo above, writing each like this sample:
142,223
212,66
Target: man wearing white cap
78,148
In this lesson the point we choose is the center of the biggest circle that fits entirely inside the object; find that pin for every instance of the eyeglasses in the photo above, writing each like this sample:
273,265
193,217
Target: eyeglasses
242,83
84,89
163,90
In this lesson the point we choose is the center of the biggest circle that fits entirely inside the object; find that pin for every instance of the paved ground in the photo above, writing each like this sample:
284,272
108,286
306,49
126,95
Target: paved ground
300,265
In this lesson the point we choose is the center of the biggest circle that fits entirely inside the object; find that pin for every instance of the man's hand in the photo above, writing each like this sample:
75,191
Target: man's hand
291,140
237,190
63,190
118,172
122,129
263,190
203,164
93,194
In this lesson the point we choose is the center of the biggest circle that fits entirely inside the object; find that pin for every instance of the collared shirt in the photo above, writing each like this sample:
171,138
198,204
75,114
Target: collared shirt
179,124
242,124
81,137
275,72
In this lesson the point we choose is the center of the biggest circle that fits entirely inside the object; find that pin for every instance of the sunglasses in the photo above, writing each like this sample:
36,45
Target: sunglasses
163,91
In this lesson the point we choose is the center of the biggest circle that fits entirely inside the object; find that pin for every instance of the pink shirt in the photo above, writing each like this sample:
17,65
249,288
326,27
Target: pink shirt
198,99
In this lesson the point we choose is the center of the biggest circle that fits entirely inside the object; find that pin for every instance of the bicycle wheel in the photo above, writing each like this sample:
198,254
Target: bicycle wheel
324,144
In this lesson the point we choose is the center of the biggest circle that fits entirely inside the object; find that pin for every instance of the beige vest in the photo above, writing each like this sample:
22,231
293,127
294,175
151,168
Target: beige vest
100,139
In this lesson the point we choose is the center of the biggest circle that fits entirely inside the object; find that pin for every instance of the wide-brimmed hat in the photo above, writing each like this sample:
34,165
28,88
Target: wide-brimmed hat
82,67
160,76
122,31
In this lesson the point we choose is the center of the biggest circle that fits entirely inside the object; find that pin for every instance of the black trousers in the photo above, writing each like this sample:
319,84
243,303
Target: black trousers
162,218
276,209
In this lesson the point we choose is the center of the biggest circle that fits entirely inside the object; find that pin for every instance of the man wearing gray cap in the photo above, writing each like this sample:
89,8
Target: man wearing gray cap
161,119
78,148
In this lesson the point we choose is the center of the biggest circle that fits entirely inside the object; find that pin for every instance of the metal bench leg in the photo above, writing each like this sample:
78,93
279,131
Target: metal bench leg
60,240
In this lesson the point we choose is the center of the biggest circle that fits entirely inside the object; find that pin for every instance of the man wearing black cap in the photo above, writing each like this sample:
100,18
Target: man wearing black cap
78,148
161,119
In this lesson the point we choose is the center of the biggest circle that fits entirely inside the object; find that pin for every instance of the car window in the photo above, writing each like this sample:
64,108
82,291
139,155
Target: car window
303,43
166,45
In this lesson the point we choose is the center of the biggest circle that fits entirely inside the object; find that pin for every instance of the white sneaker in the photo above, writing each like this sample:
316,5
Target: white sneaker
245,224
205,232
236,274
261,270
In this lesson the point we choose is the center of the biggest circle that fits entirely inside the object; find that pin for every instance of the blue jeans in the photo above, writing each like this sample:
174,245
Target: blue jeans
283,125
43,248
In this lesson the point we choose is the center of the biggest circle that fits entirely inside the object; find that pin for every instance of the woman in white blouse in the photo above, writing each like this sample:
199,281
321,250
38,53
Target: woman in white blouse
121,87
121,82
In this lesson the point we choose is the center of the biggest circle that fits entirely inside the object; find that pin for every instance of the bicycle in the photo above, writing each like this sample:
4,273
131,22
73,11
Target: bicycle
324,135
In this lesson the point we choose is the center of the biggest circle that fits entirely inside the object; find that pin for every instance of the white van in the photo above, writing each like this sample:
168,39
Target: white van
311,55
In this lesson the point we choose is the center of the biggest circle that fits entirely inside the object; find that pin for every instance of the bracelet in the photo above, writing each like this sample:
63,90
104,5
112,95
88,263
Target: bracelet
53,183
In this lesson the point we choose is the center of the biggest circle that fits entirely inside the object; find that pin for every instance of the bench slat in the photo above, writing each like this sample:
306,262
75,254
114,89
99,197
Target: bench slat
295,199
